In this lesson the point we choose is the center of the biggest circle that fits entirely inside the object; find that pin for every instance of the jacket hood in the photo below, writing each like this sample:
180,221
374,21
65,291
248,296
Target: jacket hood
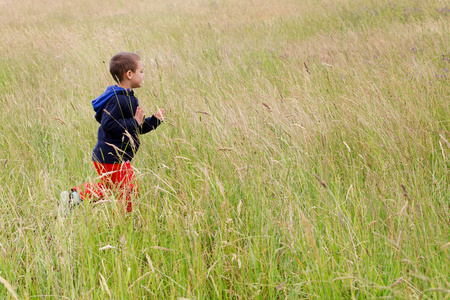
101,100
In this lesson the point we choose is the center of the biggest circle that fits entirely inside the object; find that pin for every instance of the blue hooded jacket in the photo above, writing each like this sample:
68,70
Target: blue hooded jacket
117,138
101,100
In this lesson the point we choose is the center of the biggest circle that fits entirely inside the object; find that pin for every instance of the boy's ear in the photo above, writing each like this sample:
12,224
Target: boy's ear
128,74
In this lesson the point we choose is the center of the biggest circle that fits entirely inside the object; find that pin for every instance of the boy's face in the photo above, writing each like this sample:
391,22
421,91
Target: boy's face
138,76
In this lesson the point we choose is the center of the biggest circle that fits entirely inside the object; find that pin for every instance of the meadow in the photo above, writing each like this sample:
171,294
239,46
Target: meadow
305,153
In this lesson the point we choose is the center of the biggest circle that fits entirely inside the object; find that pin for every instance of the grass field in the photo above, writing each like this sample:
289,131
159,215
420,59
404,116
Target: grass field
305,154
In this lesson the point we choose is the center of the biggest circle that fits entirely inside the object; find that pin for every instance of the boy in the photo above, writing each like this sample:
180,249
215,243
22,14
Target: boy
121,120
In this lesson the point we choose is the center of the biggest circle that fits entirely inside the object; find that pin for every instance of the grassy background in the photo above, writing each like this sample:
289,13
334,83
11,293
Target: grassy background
305,154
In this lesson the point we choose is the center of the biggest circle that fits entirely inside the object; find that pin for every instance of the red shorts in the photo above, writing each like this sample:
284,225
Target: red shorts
118,178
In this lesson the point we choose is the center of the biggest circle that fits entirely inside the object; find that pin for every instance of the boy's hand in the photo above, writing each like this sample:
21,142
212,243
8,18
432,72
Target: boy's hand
139,116
160,115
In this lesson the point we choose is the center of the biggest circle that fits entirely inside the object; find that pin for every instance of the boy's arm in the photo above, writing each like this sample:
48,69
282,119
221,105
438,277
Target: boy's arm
149,124
113,121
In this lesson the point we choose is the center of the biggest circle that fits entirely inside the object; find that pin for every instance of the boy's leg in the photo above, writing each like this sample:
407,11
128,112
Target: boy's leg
131,186
127,184
93,190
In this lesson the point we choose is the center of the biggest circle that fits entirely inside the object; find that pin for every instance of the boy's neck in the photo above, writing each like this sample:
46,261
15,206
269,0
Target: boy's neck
125,85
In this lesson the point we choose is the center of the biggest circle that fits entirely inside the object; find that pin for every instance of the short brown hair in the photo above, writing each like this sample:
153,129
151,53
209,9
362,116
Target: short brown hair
121,63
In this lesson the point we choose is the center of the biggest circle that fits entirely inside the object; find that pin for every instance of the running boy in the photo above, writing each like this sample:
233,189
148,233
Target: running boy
121,120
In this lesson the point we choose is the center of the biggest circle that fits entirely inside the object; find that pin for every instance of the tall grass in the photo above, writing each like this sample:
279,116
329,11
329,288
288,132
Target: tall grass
305,153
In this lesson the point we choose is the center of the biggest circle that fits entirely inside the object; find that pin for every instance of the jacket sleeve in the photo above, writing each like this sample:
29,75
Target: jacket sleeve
116,116
149,124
